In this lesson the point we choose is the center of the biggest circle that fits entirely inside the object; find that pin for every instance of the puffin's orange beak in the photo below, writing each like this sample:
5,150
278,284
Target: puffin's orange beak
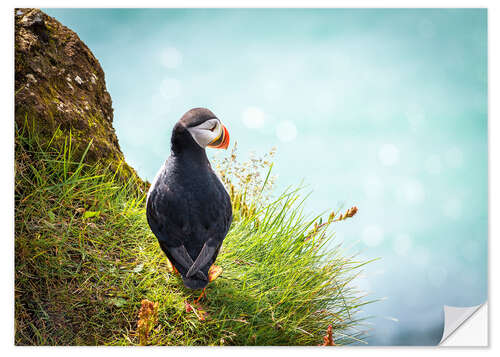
222,142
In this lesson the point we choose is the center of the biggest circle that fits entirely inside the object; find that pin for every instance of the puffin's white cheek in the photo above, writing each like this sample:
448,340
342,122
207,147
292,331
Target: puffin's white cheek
203,137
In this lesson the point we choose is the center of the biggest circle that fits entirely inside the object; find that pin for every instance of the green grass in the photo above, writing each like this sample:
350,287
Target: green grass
85,258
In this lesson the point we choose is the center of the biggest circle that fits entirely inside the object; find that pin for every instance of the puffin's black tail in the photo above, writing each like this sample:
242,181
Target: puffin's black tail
194,282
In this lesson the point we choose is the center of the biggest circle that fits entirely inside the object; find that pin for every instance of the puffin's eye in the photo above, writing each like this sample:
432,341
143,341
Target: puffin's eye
214,127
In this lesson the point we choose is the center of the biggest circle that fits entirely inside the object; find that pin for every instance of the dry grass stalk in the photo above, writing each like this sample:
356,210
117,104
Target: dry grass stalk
349,213
249,183
331,218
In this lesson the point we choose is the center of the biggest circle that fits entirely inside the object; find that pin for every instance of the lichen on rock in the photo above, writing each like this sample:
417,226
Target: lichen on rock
59,84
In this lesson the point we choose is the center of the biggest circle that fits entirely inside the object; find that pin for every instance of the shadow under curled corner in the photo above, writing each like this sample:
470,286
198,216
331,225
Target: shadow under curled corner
465,326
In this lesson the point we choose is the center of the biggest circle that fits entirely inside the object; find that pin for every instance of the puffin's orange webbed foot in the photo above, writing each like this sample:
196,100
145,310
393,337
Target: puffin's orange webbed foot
214,272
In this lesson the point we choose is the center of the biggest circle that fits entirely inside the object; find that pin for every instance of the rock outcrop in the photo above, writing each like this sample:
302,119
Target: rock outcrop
60,87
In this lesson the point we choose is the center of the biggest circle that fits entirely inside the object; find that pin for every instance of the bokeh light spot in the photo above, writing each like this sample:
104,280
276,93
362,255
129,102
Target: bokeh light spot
388,155
171,57
411,192
286,131
253,118
373,235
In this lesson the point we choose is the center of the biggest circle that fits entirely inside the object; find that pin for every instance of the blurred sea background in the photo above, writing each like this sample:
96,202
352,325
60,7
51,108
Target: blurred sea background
385,109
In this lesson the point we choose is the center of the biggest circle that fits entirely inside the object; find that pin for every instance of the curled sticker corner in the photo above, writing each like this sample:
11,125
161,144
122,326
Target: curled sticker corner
454,317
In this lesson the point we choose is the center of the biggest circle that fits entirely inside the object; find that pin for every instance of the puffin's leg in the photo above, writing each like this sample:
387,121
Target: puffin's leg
214,272
201,295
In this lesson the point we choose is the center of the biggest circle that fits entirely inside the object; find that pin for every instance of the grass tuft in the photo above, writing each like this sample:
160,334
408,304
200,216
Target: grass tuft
86,262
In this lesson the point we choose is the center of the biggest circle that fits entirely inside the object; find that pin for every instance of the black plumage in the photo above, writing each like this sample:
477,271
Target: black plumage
188,208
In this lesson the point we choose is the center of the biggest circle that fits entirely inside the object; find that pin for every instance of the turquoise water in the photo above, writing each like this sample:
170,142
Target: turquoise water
382,109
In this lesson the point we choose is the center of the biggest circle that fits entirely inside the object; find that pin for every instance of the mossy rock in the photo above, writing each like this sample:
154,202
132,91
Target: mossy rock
60,88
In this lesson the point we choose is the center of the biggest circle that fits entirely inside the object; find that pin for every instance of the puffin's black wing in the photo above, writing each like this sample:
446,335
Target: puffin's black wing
168,228
214,216
190,223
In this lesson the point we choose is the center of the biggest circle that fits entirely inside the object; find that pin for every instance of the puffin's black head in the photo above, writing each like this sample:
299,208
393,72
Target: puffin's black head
197,129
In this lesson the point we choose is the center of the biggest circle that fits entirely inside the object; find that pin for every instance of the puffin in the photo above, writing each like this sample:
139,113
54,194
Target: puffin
188,208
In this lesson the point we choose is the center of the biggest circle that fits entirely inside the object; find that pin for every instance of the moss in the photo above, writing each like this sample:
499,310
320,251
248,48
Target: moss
51,104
